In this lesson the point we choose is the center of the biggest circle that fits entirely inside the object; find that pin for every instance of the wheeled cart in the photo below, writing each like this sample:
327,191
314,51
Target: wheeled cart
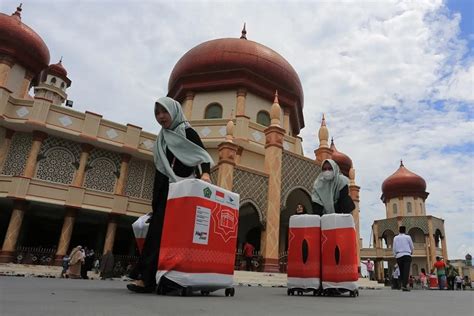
339,255
199,238
304,257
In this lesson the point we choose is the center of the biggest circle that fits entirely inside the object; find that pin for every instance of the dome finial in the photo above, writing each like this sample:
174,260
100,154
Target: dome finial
275,100
244,33
323,121
275,111
401,163
18,11
61,60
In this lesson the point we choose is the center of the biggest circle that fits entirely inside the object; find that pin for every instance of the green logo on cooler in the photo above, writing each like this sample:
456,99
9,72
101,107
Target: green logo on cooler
207,192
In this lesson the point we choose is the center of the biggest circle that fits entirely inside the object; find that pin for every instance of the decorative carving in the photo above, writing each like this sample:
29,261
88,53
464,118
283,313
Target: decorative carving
18,154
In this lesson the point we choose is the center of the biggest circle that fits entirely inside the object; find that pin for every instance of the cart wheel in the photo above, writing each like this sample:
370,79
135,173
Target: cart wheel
232,292
186,291
288,292
227,292
315,293
357,292
206,293
352,294
300,293
159,290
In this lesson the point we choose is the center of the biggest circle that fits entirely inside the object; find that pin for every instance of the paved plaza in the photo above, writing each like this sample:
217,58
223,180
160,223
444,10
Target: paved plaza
40,296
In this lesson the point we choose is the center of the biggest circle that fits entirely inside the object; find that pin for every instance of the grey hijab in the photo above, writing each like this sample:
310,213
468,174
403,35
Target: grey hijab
326,192
175,139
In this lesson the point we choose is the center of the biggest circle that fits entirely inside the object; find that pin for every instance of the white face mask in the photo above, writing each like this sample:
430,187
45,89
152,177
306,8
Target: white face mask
328,175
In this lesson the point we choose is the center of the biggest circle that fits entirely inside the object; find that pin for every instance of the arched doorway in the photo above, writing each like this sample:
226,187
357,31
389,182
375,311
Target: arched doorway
250,227
387,239
295,197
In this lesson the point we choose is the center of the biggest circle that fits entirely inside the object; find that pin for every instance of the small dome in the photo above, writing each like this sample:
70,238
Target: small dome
58,69
342,160
229,63
21,43
403,183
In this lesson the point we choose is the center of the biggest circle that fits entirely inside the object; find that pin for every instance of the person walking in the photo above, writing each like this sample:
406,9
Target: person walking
451,273
75,263
423,279
402,250
178,154
370,268
248,254
107,266
65,265
440,268
395,277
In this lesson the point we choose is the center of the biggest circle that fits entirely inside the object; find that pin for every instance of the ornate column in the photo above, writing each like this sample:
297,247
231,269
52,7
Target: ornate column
241,98
354,194
188,105
273,155
81,169
5,146
110,235
432,244
286,121
324,151
11,237
121,182
227,156
429,263
25,86
38,138
6,64
66,233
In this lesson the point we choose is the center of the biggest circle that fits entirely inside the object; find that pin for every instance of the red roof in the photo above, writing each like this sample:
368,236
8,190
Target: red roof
232,63
58,70
21,43
343,161
403,183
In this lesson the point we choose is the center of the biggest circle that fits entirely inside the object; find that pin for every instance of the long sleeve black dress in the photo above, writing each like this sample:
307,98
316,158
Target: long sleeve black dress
344,204
147,264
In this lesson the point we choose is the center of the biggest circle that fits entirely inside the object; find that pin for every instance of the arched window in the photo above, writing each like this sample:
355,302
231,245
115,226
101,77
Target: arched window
213,111
408,207
53,80
395,208
263,118
62,85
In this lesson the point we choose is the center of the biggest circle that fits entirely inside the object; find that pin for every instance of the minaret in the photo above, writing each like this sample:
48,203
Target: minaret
53,82
323,152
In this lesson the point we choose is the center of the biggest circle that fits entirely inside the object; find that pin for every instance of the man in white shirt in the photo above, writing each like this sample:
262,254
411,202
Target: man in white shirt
402,250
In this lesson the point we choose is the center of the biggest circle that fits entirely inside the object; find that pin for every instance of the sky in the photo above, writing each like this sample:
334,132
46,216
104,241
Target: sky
394,78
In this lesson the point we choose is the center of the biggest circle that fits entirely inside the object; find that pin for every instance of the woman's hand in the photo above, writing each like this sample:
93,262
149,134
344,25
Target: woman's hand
205,177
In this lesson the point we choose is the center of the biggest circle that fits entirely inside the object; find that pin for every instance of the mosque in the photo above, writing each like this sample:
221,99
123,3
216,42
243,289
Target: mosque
69,178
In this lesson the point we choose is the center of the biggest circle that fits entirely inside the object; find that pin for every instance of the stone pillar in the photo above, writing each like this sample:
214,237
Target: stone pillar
11,237
324,151
354,194
81,170
379,271
241,100
432,243
188,105
227,156
6,64
30,168
445,247
110,235
286,121
121,182
273,155
66,233
429,263
5,147
25,85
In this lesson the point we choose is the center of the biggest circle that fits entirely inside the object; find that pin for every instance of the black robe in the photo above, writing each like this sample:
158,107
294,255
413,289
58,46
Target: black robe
147,264
344,204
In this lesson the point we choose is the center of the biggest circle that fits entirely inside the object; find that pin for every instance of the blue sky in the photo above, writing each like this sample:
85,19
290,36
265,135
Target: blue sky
394,78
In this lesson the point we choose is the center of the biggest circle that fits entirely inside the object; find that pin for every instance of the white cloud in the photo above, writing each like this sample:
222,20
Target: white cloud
378,70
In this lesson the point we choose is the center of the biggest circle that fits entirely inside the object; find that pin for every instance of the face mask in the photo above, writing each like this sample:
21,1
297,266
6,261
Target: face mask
328,175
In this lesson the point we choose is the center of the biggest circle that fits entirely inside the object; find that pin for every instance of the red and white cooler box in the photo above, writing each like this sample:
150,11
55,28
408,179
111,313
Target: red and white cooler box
140,229
199,237
304,252
339,252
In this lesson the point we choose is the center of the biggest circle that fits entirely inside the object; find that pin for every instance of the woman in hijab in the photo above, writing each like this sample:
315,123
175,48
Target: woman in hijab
75,263
178,154
331,191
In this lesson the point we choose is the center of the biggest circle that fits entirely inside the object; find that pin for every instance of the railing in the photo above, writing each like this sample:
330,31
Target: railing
283,261
35,255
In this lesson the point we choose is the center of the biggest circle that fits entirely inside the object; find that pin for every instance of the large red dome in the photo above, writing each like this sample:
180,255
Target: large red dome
21,43
231,63
403,183
343,161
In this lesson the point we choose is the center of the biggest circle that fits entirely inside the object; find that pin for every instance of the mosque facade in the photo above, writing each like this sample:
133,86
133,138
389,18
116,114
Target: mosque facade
70,178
